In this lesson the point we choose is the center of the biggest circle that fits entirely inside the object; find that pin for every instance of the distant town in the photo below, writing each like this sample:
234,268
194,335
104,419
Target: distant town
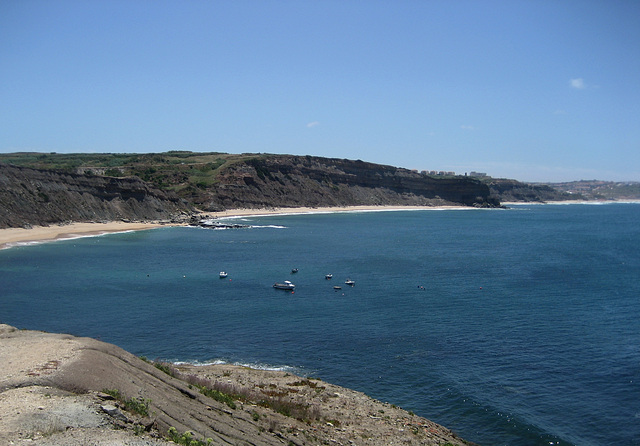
450,173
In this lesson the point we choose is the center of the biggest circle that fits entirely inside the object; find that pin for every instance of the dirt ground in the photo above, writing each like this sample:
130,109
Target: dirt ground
57,389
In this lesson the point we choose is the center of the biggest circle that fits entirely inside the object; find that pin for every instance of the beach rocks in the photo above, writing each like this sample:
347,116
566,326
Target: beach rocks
215,224
114,412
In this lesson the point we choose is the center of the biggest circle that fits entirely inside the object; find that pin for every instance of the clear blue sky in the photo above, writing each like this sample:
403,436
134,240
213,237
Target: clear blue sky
537,90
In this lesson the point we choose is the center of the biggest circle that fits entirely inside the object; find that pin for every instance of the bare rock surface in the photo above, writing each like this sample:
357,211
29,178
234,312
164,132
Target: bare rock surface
58,389
42,197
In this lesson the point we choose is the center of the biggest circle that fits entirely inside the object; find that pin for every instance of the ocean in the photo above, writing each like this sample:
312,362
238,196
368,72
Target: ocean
514,326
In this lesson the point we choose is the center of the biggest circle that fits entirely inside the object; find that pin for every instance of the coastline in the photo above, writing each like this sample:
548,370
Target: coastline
10,237
234,213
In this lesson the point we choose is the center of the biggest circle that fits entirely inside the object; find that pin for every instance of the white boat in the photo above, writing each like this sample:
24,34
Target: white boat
286,285
328,276
350,282
223,274
294,270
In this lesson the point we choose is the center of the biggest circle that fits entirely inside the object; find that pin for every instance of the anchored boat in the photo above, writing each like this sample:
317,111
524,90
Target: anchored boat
286,285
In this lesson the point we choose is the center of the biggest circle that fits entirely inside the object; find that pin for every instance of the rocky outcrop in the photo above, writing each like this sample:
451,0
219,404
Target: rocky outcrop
291,181
59,389
42,197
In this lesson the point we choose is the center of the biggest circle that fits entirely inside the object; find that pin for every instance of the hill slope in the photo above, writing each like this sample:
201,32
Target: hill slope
59,389
291,181
53,188
43,197
601,190
507,190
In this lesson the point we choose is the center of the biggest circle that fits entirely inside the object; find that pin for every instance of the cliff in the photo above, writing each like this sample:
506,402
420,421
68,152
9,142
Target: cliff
292,181
42,189
42,197
59,389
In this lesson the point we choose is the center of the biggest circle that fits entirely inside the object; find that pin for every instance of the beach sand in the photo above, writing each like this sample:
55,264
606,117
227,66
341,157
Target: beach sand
39,234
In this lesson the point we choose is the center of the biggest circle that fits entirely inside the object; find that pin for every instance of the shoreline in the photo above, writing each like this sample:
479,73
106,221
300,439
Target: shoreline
235,213
10,237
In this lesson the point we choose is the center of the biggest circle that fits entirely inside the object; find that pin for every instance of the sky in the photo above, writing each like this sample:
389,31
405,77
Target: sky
535,90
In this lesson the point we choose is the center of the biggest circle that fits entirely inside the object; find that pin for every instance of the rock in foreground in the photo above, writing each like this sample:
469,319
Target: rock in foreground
60,389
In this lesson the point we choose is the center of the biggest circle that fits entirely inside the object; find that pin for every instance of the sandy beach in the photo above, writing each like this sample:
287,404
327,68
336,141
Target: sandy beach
315,210
40,234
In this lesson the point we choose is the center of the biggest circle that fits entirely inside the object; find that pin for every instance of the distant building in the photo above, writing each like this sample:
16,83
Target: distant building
437,172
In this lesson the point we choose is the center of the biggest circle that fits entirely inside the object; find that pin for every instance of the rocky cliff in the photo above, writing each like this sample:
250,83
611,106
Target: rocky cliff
43,197
54,188
290,181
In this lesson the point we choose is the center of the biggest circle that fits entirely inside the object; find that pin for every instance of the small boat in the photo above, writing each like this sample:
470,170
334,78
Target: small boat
337,288
286,285
223,274
350,282
294,270
328,276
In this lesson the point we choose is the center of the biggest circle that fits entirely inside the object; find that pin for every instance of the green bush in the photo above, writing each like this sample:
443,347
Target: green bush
166,368
136,405
217,395
186,439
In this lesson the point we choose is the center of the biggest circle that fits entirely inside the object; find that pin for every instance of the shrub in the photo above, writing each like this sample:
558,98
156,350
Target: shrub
186,439
136,405
218,396
166,368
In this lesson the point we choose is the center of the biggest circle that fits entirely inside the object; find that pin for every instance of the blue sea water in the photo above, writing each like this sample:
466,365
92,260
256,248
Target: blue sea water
510,327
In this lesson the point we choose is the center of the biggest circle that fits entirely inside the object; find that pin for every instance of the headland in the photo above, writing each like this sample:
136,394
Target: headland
61,389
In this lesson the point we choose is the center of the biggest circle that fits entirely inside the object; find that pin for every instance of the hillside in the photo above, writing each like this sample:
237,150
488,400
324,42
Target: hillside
507,190
58,389
601,190
165,186
43,197
51,188
292,181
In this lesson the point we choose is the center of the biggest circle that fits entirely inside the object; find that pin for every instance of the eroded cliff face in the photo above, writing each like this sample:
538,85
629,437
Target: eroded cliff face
34,196
43,197
289,181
